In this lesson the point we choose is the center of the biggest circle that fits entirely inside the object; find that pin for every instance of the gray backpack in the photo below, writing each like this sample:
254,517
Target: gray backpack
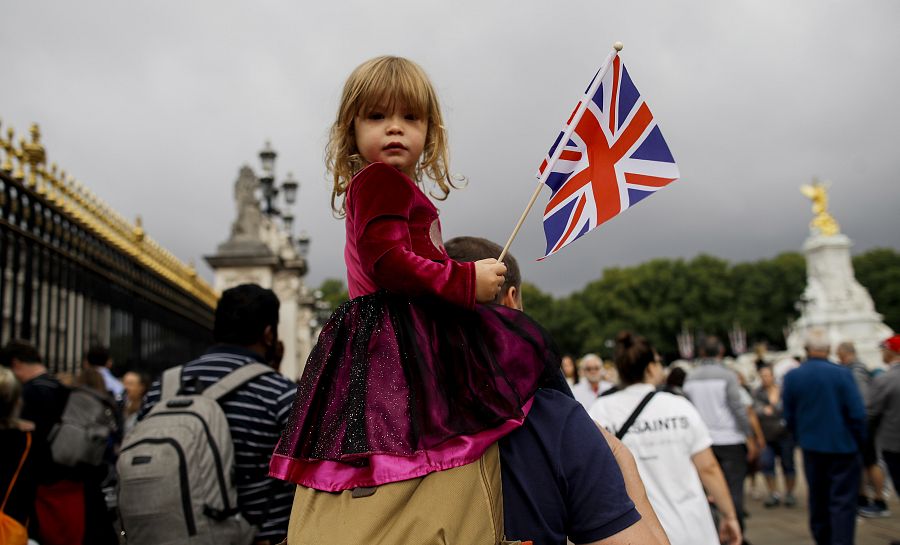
176,469
83,432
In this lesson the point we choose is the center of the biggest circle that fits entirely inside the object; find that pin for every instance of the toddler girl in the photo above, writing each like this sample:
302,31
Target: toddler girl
410,376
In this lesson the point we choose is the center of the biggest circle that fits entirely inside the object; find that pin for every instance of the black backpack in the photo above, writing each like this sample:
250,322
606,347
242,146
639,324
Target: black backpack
88,420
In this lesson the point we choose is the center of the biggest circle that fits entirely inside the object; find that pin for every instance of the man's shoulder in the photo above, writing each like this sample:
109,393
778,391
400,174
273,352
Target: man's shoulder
271,388
888,379
213,366
824,370
836,370
553,403
44,385
707,369
552,418
708,379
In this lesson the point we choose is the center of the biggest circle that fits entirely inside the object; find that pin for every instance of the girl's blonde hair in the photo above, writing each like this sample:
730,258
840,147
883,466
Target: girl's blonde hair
384,82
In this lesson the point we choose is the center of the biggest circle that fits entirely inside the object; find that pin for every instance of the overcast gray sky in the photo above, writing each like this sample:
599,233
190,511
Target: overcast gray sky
156,105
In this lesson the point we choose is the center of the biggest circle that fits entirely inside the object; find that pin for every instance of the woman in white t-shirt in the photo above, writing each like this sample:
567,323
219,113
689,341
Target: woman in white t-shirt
671,445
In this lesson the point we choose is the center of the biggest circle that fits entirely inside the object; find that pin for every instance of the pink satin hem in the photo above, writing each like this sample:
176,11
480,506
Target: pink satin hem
386,468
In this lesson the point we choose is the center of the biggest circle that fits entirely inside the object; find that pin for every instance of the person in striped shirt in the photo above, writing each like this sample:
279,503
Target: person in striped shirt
245,331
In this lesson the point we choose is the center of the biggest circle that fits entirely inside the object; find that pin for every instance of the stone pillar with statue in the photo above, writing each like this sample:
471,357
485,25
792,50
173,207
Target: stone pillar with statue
833,299
262,250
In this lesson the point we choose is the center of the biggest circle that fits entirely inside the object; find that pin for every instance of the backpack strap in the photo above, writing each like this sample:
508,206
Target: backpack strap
12,482
637,411
171,383
236,378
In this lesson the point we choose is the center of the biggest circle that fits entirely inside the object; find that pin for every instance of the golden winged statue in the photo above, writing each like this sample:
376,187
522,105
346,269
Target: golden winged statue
824,223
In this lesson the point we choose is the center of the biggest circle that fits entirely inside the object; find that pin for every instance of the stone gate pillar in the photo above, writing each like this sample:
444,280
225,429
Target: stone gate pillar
261,251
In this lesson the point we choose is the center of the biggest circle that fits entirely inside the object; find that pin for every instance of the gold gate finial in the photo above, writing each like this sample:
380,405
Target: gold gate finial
35,155
7,147
138,229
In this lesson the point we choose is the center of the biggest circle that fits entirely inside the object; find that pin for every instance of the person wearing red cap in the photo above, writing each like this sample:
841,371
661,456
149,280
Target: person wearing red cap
884,408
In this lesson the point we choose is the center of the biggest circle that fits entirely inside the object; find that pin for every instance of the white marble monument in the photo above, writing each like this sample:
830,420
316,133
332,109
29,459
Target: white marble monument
833,299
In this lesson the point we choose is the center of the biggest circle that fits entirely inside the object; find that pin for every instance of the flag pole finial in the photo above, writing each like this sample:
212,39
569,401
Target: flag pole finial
618,46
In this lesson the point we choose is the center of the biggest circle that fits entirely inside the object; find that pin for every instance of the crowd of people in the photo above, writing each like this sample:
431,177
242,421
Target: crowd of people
689,432
64,503
825,408
432,408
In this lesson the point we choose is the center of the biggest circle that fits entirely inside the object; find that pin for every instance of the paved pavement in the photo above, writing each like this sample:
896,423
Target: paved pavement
790,526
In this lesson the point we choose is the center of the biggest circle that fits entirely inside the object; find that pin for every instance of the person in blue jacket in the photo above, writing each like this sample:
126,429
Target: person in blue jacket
825,412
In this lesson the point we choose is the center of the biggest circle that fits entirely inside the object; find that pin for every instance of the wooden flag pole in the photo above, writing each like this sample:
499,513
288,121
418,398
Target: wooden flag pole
618,47
515,232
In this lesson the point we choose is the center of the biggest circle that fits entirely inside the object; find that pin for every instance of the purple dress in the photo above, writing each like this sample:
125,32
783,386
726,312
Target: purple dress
410,376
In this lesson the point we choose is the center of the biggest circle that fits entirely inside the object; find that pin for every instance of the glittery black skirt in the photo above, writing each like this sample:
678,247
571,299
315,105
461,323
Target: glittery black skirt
404,381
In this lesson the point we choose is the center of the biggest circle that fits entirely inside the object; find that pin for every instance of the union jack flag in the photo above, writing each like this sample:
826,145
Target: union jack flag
610,156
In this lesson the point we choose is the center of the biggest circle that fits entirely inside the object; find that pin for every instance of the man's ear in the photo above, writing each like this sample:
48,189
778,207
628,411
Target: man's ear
269,336
512,298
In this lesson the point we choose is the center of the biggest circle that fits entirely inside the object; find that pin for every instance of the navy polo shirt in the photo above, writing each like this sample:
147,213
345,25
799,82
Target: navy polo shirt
560,477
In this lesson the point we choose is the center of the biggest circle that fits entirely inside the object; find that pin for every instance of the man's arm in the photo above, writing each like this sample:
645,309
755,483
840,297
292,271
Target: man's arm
736,404
714,482
636,534
876,401
647,530
757,442
862,379
787,405
855,410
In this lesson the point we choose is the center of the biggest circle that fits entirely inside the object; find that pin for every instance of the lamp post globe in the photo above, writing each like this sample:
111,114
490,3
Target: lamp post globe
290,186
267,157
303,243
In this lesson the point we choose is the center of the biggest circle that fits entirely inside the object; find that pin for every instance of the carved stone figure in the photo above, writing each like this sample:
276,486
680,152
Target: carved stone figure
823,223
249,217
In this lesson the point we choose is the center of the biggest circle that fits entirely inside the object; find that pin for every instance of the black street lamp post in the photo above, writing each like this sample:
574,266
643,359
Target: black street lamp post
270,190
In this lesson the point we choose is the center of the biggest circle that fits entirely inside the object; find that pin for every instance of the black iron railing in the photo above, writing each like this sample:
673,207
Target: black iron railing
73,274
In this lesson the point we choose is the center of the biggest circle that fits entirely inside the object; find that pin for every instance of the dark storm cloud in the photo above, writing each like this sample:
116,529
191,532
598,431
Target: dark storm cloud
155,106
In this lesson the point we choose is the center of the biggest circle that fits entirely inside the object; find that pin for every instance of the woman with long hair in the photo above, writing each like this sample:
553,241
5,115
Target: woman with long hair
671,445
779,442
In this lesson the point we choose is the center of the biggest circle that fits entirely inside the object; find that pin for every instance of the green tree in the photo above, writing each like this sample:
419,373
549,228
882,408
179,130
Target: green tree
765,294
334,292
879,271
658,298
567,320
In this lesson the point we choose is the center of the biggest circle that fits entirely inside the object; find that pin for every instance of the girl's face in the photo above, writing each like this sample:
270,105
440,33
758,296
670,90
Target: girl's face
766,376
391,135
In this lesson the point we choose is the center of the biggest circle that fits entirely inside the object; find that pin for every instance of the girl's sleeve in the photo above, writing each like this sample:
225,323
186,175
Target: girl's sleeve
379,201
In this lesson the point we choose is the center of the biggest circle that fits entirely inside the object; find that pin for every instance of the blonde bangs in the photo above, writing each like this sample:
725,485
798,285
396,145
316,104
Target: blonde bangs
392,81
384,82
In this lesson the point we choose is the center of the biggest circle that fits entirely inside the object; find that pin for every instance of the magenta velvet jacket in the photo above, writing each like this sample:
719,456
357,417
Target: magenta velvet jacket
394,241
